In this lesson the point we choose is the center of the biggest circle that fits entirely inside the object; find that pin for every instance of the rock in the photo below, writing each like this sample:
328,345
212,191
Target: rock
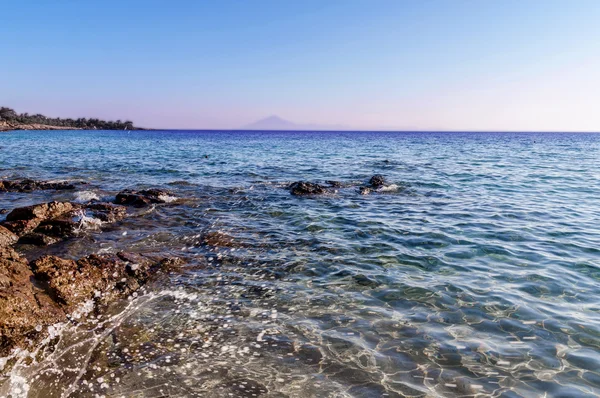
41,211
107,212
377,181
47,223
3,211
334,184
34,296
24,309
21,227
61,228
74,282
38,239
142,198
220,239
29,185
306,188
7,237
365,190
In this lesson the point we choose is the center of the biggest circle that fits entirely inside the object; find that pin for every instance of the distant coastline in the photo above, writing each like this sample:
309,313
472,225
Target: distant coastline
11,120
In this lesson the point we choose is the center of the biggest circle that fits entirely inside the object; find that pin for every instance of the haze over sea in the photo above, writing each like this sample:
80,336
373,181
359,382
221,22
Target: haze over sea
476,274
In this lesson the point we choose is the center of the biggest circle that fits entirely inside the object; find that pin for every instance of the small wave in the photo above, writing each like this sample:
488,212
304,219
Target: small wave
167,198
389,188
86,222
85,196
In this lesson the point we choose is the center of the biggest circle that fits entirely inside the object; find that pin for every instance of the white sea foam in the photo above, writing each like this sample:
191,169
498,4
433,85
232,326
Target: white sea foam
85,196
167,198
86,222
388,188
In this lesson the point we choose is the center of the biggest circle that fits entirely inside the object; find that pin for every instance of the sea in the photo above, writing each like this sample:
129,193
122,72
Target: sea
474,273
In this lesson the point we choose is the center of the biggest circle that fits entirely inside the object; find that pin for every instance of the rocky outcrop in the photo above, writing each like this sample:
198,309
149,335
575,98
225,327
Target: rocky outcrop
377,181
144,197
48,223
24,308
49,290
28,185
7,238
40,212
301,188
10,126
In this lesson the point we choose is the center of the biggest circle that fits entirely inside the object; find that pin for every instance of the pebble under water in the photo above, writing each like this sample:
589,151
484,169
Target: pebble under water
476,273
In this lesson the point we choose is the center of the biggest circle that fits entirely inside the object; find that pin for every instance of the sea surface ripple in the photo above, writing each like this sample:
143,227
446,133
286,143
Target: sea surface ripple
479,275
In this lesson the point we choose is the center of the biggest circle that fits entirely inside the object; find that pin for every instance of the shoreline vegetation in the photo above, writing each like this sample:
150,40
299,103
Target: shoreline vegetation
11,120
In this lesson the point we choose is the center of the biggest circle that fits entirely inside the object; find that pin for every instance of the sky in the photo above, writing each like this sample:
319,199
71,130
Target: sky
372,64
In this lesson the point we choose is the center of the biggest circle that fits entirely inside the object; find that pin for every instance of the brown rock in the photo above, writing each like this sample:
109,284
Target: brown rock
38,239
24,309
7,238
107,212
47,223
41,211
34,296
21,227
141,198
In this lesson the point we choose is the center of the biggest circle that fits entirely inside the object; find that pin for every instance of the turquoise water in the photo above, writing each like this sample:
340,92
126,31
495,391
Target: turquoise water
478,274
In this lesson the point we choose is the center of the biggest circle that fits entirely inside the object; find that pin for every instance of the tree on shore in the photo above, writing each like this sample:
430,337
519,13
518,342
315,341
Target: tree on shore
9,114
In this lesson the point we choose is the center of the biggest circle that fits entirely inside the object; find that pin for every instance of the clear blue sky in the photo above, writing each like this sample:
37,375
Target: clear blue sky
492,65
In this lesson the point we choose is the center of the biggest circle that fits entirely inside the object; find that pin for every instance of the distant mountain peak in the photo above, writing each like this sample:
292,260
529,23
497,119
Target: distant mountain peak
272,122
275,122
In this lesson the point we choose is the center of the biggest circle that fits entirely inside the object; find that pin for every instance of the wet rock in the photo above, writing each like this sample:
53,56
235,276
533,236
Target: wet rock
306,188
41,211
29,185
7,237
21,227
377,181
38,239
59,228
3,211
34,296
47,223
221,239
24,308
334,184
107,212
142,198
98,277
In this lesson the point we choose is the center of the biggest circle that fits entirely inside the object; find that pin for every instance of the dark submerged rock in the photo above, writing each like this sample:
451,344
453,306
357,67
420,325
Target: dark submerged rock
29,185
306,188
377,181
142,198
38,239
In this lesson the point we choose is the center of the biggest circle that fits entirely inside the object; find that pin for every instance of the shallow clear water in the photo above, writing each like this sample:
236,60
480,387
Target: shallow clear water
478,275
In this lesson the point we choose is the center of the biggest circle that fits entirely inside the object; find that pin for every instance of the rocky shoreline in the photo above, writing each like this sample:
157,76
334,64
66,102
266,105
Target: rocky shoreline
8,126
37,294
